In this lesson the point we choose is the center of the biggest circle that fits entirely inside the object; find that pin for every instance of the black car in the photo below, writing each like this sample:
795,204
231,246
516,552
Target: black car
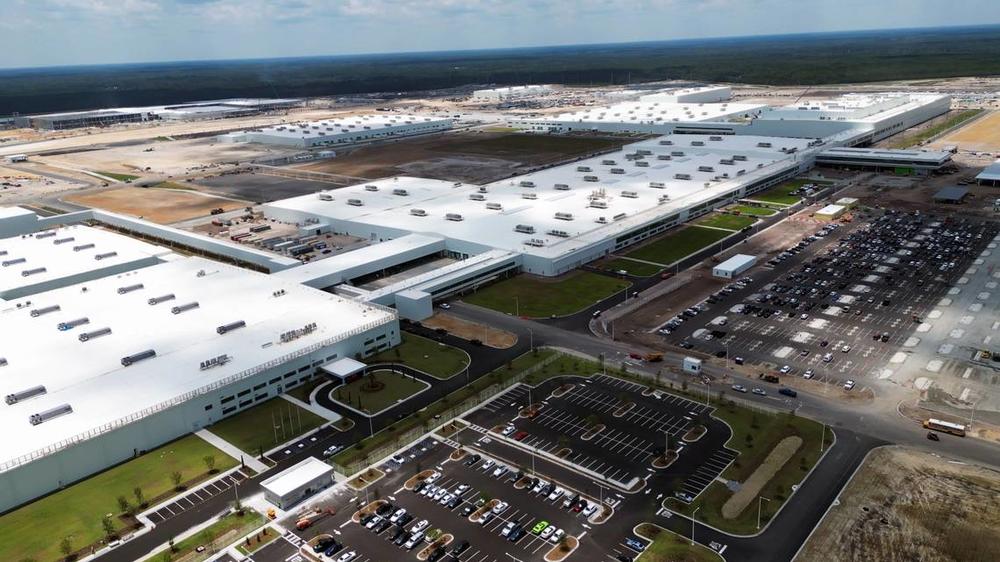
460,548
323,544
453,502
686,345
404,519
933,436
400,532
383,525
420,486
436,555
623,558
473,460
516,533
467,510
385,509
367,518
401,538
333,549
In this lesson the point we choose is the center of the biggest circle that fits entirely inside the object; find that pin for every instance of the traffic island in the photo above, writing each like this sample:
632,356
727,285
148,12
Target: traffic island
530,411
695,433
451,428
603,515
665,460
477,514
564,452
419,477
367,510
592,432
440,541
775,460
458,454
560,551
562,390
522,483
365,479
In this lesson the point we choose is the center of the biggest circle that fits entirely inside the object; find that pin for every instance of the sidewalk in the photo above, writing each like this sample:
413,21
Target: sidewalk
314,408
229,449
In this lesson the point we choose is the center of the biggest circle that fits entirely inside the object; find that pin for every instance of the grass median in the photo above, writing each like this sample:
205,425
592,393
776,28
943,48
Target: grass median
214,538
671,547
438,360
752,211
266,426
538,297
728,222
118,176
782,194
678,244
36,530
378,390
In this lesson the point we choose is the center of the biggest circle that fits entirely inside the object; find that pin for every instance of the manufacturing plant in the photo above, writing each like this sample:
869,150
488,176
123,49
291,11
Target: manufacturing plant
116,365
215,109
510,93
346,130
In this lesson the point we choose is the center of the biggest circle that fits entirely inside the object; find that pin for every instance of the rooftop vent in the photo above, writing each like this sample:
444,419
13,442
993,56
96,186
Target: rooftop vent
564,216
157,300
49,414
524,229
82,247
87,336
477,197
130,288
181,308
527,183
325,197
657,185
45,234
14,261
494,206
35,271
44,310
561,187
355,202
59,241
16,397
65,326
559,233
226,328
536,242
100,257
529,196
135,358
454,217
418,212
591,178
630,194
400,191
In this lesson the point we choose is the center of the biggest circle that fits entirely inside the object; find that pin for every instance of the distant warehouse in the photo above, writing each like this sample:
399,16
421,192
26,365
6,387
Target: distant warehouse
734,266
903,162
340,131
80,119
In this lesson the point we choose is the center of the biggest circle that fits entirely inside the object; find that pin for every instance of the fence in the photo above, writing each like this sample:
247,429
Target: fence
415,433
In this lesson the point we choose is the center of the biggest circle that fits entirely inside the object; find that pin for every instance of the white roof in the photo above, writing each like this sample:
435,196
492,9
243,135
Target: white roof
10,212
887,154
293,478
354,124
736,262
66,253
492,228
89,375
831,210
655,112
860,108
333,269
343,367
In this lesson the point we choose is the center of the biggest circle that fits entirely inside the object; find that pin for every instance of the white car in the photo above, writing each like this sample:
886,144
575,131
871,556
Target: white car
547,532
347,556
462,488
846,348
759,391
446,498
427,490
373,521
556,494
398,459
785,369
507,528
538,487
589,510
396,516
828,357
332,450
500,508
556,536
808,374
508,430
413,540
439,493
445,305
487,464
420,526
739,388
433,477
849,384
499,471
485,518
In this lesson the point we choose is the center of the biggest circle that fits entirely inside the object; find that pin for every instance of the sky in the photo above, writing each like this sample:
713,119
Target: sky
71,32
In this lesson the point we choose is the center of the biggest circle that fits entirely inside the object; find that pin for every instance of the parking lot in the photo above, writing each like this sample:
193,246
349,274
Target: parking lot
197,497
841,304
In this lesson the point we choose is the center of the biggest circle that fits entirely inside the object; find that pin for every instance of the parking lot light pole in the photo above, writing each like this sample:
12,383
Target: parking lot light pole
695,512
760,501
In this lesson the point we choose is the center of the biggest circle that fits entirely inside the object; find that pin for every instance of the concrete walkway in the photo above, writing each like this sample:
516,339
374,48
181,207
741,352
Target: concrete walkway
229,449
320,411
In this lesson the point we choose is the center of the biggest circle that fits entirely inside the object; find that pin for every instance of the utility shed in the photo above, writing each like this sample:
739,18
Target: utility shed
831,212
953,195
734,266
295,484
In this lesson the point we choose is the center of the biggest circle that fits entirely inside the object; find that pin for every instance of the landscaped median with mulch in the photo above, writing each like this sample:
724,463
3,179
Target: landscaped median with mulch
562,550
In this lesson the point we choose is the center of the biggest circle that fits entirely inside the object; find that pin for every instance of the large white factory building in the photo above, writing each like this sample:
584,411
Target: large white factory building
345,130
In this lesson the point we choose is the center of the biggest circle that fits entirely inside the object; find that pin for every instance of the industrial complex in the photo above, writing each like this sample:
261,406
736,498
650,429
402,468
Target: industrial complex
341,131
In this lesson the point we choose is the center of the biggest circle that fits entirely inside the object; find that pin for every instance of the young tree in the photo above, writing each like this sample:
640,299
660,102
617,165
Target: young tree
140,498
170,543
176,478
108,525
123,505
66,547
209,461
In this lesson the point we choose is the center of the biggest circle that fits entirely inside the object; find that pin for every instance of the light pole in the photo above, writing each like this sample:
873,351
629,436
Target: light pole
695,512
760,501
531,337
822,440
727,356
517,307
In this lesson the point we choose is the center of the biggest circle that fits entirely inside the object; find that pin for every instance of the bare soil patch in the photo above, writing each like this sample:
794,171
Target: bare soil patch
161,206
492,337
910,505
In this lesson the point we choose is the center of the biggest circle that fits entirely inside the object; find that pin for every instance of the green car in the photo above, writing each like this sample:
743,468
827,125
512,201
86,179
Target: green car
539,527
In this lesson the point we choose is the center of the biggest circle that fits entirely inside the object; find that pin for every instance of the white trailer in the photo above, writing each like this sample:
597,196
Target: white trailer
692,365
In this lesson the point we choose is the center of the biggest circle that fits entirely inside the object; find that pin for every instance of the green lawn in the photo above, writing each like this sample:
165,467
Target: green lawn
637,268
434,358
542,297
766,430
671,547
397,387
36,529
729,222
678,244
753,211
906,141
119,177
214,537
254,430
781,194
303,391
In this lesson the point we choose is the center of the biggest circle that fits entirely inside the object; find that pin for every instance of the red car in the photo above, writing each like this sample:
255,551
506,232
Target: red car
520,435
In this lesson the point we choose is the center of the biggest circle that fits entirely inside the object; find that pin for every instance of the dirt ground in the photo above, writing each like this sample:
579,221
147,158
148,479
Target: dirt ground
476,157
161,206
982,134
465,329
916,194
905,505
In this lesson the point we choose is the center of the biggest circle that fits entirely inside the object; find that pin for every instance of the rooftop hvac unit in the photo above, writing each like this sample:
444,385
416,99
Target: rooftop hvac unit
45,310
64,326
677,153
3,361
87,336
83,247
529,196
226,328
664,157
740,172
371,187
355,202
527,183
157,300
620,216
664,198
325,197
524,229
564,216
454,217
598,204
706,169
591,178
714,138
697,143
3,252
739,158
727,162
561,187
583,169
494,206
16,397
642,164
400,192
666,143
129,288
35,271
707,184
45,234
181,308
484,189
601,220
559,233
49,414
657,185
59,241
617,170
215,362
630,194
15,261
763,145
682,176
418,212
105,255
536,242
141,356
608,162
477,197
644,152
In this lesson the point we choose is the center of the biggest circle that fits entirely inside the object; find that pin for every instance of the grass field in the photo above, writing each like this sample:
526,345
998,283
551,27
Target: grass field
753,211
959,117
436,359
781,194
729,222
678,244
303,391
754,435
254,430
637,268
671,547
542,297
214,537
397,387
35,530
119,177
